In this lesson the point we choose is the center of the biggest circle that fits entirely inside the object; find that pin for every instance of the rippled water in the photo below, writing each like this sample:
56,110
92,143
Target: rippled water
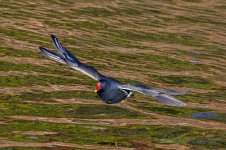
178,45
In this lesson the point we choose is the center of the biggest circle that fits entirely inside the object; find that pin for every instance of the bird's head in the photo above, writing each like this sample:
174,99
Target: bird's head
103,85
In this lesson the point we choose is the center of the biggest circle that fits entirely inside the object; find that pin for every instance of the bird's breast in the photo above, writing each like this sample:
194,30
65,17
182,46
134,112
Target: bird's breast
112,96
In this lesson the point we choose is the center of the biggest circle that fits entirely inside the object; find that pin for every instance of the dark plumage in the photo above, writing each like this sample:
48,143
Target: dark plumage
108,89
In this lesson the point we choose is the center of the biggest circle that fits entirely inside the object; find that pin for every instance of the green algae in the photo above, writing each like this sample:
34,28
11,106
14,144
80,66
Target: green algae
67,17
190,82
120,136
5,51
173,111
18,81
67,111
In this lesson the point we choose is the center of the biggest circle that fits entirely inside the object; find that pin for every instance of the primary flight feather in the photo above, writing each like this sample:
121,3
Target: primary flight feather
108,89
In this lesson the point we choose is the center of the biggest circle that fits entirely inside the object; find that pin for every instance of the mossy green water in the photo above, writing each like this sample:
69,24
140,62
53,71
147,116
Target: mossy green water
184,112
167,110
23,35
141,37
24,148
9,66
39,95
190,82
18,81
122,136
203,98
5,51
68,111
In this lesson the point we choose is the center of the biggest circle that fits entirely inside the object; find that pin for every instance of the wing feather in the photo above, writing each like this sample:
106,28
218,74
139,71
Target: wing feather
161,95
52,55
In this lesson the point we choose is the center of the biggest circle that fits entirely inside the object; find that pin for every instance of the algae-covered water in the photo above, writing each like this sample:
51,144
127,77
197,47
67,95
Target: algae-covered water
173,44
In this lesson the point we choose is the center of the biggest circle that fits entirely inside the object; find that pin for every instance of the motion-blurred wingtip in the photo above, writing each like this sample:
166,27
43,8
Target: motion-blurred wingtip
182,104
40,47
53,36
169,100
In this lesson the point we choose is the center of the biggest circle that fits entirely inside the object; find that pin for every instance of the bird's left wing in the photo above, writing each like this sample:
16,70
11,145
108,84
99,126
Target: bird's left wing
66,57
161,95
52,55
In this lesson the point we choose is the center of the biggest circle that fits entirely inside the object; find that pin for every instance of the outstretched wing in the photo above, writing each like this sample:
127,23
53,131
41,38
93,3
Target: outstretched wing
52,55
161,95
66,57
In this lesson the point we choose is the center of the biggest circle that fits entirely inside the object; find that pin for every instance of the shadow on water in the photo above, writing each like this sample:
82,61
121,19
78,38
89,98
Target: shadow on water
204,115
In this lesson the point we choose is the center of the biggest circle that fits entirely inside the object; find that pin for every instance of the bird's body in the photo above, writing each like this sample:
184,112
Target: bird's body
110,93
108,89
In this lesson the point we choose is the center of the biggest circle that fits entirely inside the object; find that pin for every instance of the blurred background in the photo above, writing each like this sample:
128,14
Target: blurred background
173,44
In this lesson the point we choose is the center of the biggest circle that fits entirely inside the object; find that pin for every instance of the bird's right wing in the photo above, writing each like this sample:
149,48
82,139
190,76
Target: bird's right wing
161,95
66,57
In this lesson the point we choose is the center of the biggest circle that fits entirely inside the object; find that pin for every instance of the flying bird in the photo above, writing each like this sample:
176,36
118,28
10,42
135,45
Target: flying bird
110,90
